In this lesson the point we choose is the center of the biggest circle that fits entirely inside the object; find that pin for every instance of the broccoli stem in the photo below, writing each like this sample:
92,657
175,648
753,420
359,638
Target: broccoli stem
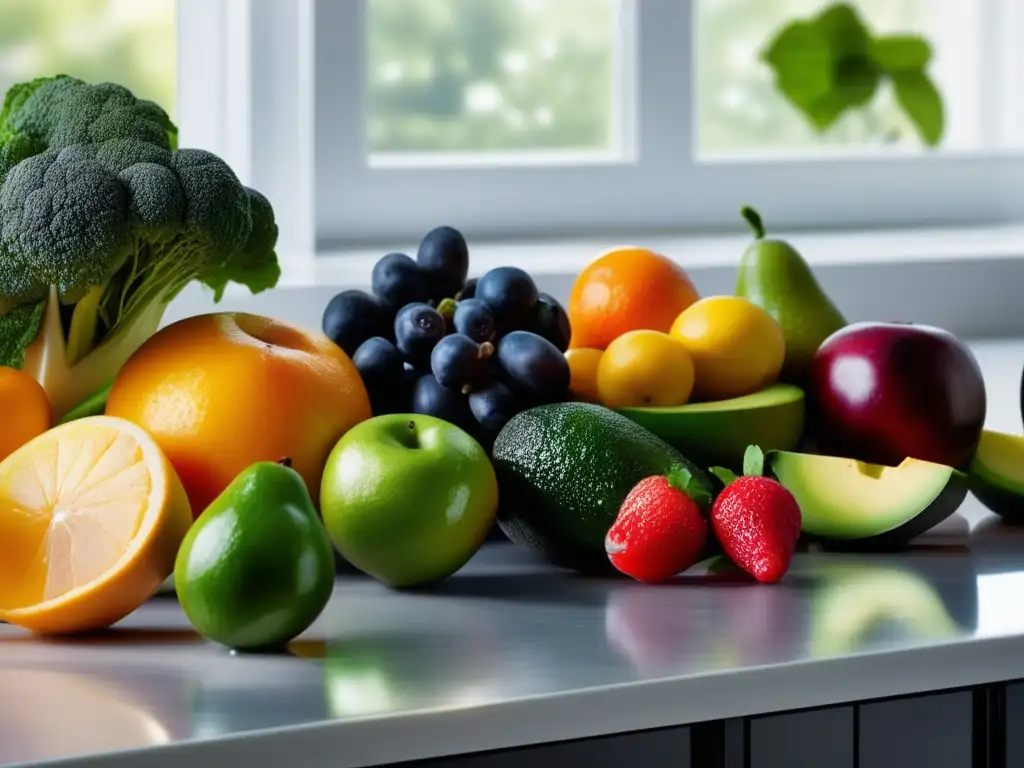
84,325
67,384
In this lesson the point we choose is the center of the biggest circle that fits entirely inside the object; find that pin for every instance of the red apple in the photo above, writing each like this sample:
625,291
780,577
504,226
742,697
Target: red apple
881,392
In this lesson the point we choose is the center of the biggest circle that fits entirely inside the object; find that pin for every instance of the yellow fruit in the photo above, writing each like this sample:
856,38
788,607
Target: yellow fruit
583,362
737,348
644,368
91,518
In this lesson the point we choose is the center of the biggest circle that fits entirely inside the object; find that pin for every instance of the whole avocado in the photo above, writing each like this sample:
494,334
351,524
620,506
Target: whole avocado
564,470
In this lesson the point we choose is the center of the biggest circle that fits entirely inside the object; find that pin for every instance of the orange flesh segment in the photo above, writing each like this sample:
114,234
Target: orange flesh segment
69,510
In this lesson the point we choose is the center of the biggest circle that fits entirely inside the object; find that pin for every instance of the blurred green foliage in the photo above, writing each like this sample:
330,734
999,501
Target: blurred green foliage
131,42
482,75
472,75
832,63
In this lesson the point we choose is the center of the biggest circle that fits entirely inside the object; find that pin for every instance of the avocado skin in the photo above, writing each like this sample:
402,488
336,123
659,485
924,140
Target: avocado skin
1003,502
564,470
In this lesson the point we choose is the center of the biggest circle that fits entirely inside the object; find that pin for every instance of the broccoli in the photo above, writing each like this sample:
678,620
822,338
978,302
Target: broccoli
103,221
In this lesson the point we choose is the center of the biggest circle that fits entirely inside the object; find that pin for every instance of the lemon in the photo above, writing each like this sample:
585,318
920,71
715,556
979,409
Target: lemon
737,348
583,362
644,368
91,518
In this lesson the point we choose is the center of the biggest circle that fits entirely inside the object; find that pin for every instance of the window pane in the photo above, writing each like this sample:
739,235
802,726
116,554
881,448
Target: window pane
131,42
474,76
741,110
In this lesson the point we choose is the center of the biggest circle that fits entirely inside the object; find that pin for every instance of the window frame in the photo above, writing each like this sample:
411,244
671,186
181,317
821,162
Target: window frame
661,185
270,100
245,92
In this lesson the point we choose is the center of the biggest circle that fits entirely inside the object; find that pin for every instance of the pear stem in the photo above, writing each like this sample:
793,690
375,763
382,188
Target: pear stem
754,220
285,462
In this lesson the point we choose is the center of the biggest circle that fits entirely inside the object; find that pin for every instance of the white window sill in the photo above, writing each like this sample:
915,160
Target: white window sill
696,252
967,280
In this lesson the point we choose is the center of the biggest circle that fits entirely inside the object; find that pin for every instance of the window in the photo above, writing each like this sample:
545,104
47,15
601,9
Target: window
370,120
123,41
447,81
741,113
534,117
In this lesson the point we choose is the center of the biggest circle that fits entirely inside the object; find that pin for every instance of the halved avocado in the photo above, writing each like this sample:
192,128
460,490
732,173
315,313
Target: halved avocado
996,474
717,433
854,598
854,505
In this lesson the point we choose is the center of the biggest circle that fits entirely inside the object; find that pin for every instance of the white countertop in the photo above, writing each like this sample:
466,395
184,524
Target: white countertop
510,652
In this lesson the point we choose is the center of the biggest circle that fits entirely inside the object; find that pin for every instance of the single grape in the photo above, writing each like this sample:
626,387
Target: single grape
474,319
352,317
534,366
510,294
418,327
468,290
430,398
458,362
494,405
380,364
444,256
397,280
550,320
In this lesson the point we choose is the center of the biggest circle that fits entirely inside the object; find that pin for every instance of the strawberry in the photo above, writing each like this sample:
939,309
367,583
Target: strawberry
660,529
756,520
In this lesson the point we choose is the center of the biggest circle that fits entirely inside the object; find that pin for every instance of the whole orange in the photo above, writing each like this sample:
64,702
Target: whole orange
220,392
24,410
627,289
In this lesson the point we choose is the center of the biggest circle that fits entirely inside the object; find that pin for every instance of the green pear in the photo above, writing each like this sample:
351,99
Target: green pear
257,567
775,277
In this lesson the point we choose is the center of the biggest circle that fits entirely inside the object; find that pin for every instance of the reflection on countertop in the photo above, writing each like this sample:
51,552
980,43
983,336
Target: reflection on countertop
509,629
505,628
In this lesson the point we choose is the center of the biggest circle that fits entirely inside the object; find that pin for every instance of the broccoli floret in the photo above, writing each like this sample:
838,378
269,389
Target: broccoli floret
103,221
64,218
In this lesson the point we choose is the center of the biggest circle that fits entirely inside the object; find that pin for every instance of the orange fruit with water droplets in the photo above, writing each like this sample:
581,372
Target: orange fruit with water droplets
627,289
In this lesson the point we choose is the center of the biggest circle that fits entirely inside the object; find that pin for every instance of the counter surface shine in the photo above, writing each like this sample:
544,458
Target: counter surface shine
511,652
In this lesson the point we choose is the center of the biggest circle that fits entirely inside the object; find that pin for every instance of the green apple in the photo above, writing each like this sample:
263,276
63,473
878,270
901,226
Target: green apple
408,499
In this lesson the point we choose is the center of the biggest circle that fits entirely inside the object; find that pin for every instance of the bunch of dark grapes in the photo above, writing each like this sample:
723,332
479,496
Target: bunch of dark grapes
473,352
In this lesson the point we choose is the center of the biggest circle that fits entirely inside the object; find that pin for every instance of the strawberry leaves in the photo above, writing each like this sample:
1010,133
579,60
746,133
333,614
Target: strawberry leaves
682,479
727,476
753,466
753,461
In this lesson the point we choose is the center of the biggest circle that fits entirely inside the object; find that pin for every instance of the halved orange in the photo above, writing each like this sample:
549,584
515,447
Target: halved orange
91,518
